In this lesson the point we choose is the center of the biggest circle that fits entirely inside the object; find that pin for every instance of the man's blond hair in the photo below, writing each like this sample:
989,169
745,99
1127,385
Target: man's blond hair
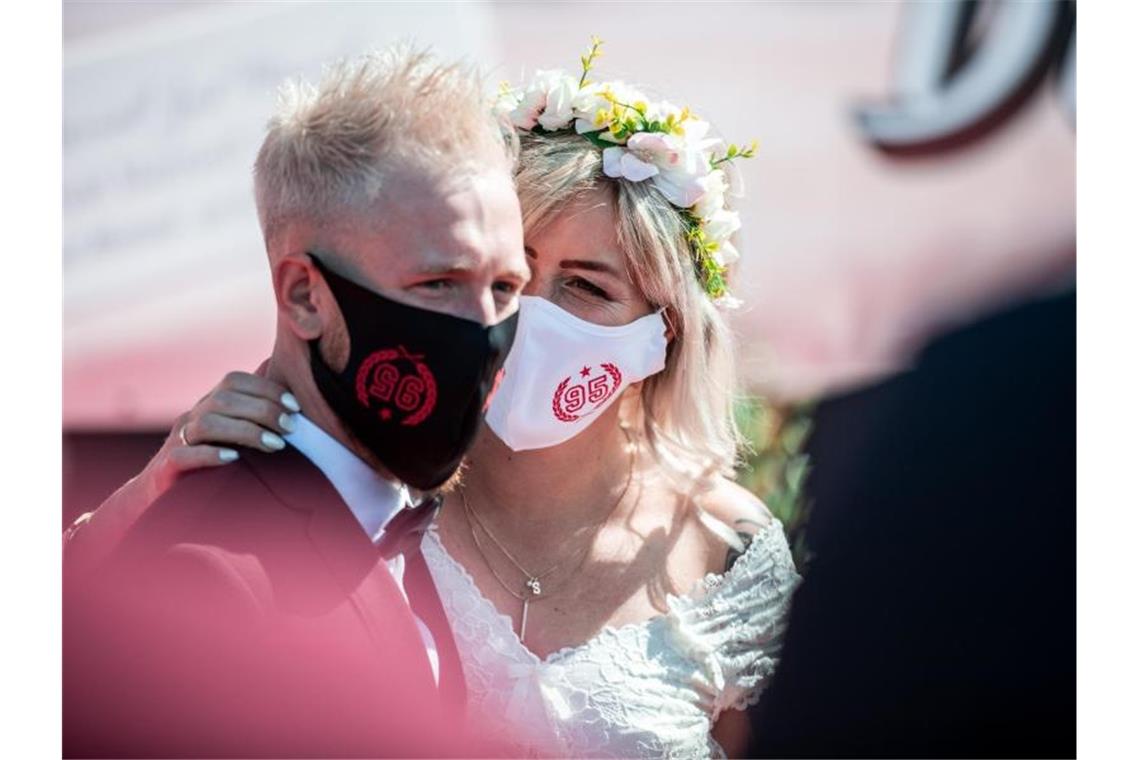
329,148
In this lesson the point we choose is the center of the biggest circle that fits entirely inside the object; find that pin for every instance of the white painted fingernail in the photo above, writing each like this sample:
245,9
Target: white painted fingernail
287,423
272,441
227,455
289,401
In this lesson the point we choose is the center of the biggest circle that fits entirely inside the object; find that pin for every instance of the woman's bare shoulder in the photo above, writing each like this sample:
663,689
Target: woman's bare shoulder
735,505
732,516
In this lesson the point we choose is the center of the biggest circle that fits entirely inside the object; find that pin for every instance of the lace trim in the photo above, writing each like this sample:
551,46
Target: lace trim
732,624
699,593
743,563
504,621
768,542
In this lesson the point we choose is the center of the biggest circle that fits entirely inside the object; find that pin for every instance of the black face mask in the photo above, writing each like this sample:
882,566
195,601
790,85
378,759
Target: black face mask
416,382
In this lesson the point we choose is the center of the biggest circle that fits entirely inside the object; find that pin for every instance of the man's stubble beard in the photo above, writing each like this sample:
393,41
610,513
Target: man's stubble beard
455,482
334,347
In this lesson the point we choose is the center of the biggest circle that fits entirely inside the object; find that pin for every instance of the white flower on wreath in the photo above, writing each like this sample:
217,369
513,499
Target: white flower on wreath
660,110
560,94
547,101
720,227
714,185
675,165
593,98
587,103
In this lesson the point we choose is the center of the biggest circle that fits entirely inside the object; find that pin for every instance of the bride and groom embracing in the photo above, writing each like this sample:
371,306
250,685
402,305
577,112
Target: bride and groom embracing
478,499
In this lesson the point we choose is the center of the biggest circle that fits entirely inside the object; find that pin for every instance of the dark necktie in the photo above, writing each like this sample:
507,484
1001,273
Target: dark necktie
404,535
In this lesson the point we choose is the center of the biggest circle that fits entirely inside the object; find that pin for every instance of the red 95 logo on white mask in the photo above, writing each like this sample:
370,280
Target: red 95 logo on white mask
581,393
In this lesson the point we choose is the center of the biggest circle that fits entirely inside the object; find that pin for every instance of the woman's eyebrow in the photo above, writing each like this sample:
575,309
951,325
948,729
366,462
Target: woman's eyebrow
592,266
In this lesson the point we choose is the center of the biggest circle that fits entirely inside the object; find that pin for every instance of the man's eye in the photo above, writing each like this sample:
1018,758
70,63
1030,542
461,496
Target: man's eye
588,287
509,288
435,285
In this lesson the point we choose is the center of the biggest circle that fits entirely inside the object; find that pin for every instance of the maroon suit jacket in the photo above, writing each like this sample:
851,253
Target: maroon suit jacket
247,614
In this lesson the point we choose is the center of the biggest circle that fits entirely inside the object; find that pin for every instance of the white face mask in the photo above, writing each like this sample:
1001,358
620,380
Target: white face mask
563,372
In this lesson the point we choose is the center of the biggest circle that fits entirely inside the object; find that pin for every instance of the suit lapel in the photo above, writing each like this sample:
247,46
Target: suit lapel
353,561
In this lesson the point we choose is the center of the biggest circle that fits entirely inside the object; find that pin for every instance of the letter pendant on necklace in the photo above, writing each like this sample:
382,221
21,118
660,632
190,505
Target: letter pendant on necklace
535,589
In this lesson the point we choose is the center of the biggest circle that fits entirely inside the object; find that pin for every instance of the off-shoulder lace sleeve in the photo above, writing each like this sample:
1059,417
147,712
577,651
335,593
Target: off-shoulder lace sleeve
733,624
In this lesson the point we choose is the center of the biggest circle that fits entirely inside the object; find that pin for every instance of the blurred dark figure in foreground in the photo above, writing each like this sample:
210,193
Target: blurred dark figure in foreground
938,613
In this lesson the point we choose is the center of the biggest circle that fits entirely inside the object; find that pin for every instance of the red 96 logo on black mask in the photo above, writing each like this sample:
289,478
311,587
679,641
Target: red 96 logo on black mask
398,385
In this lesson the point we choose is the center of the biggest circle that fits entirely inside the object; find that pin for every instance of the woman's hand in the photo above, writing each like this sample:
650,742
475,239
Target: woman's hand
243,410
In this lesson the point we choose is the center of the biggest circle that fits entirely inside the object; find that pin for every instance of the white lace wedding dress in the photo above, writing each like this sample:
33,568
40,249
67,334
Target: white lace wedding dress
650,689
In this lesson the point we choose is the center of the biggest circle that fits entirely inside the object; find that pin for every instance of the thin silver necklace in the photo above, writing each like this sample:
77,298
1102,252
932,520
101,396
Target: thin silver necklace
532,584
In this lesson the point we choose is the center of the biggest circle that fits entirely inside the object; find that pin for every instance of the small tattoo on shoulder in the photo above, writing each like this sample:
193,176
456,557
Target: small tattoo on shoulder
734,553
745,540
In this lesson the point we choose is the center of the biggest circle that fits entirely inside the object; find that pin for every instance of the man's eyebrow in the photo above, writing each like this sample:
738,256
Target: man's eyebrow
445,270
433,262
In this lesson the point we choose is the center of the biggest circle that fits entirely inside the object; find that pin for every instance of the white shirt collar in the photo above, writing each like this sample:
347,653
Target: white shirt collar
372,499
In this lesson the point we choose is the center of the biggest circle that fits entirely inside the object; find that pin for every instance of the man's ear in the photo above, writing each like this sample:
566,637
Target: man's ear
296,284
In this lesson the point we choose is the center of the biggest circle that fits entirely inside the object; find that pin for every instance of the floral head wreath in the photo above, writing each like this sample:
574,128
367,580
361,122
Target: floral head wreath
643,140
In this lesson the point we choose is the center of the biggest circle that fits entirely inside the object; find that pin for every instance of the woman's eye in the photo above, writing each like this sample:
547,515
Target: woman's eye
586,286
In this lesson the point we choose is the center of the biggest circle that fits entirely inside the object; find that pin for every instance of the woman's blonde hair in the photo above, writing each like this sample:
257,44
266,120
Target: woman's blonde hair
685,414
